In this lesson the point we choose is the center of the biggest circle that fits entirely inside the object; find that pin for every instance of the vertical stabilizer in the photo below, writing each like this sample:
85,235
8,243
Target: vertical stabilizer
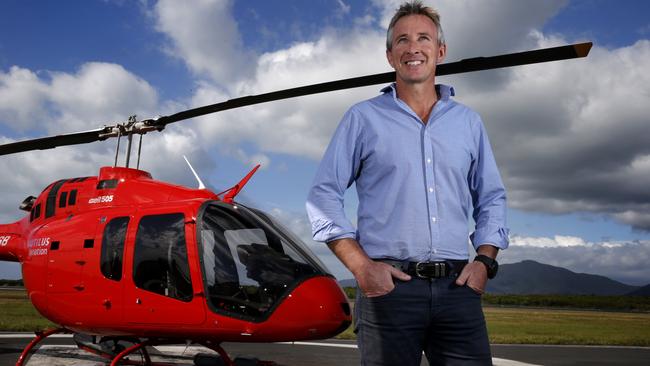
12,243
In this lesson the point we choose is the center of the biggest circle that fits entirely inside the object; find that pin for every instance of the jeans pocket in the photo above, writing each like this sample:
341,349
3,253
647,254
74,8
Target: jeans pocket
389,294
473,291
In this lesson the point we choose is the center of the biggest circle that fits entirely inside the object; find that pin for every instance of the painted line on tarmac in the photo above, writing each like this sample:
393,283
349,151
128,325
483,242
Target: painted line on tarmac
568,346
32,335
339,345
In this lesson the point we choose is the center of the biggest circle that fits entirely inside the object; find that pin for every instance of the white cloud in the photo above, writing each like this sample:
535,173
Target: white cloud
98,93
546,242
21,98
204,35
572,136
299,126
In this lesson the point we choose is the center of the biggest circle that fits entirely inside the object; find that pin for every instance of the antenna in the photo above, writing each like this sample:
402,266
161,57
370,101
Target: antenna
201,185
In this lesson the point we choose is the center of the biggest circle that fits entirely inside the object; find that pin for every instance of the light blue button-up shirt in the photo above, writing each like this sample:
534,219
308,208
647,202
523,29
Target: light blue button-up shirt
417,183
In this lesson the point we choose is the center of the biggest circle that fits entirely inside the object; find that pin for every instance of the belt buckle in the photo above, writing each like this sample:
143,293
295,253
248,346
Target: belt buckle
430,269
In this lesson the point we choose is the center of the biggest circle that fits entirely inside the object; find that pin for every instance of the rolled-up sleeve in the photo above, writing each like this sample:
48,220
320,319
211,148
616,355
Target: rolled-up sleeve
337,171
488,195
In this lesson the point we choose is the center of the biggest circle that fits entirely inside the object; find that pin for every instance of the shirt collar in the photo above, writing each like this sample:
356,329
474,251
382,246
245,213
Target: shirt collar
445,91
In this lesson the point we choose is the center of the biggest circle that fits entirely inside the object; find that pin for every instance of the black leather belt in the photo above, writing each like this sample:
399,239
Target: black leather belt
441,269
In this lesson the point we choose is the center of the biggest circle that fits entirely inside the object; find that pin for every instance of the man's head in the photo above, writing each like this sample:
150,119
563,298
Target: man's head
414,8
414,44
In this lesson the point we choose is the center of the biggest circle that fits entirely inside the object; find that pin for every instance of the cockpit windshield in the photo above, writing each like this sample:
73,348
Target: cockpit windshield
249,261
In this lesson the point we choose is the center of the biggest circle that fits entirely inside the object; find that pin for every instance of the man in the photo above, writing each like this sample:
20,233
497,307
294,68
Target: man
421,162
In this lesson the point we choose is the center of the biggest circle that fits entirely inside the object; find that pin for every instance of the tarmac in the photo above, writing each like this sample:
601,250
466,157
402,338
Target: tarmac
61,351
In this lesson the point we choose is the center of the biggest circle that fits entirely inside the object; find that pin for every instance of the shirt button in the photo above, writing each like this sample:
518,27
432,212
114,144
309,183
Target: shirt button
433,219
428,161
430,189
435,251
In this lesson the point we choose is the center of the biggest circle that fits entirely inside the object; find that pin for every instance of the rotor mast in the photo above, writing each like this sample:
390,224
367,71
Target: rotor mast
128,129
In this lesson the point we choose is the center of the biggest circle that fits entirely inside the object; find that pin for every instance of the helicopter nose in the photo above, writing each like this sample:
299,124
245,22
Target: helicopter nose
315,309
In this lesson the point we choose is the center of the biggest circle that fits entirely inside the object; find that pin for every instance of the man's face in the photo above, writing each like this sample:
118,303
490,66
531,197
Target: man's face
415,51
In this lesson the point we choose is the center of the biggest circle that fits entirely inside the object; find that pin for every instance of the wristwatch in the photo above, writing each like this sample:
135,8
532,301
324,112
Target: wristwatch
491,264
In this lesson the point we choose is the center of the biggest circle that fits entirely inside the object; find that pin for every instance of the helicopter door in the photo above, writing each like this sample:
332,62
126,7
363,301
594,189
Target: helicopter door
163,291
102,274
67,240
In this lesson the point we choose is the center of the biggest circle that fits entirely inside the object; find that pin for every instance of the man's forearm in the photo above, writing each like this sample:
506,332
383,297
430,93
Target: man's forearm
488,250
350,253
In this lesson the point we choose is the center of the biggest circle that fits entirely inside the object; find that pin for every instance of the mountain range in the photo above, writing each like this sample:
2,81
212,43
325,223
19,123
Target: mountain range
530,277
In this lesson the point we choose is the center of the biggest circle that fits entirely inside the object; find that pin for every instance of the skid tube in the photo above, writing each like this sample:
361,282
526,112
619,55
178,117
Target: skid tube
227,361
139,346
111,356
136,347
40,336
142,345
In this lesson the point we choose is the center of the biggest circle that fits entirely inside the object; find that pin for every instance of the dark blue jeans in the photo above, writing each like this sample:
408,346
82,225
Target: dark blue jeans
435,316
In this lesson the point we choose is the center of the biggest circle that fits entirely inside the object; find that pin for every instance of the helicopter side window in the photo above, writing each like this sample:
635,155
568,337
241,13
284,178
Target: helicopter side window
50,203
72,199
160,262
107,183
36,213
63,199
113,248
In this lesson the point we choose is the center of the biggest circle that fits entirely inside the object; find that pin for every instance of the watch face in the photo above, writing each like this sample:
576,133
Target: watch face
494,268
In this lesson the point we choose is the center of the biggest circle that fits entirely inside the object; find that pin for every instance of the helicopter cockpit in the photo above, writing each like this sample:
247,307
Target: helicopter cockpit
249,261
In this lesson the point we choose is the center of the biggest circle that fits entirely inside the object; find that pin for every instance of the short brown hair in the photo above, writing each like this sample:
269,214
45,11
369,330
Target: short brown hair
414,8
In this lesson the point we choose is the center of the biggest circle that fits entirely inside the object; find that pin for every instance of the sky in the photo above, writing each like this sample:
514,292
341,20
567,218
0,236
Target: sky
571,138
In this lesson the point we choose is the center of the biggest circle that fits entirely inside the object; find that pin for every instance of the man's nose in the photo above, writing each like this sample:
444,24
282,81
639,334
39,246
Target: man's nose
413,48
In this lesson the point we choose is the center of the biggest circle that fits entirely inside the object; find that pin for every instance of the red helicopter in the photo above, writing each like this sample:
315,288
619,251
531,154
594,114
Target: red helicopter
124,261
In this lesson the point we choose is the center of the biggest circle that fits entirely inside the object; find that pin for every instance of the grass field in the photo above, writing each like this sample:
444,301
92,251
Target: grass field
519,325
551,326
18,315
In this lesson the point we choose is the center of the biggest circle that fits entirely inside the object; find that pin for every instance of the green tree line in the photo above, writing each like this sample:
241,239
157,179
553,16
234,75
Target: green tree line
18,283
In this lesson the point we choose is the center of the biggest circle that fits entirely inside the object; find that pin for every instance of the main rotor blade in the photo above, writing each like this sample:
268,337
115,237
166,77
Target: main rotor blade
466,65
53,141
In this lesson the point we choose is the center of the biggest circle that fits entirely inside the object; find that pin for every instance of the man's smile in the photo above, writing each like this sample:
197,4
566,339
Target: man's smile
414,63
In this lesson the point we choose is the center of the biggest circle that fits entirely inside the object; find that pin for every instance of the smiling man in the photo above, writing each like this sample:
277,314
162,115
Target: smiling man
421,162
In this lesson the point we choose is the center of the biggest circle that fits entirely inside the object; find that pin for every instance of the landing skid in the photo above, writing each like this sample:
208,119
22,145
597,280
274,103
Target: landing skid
116,350
40,336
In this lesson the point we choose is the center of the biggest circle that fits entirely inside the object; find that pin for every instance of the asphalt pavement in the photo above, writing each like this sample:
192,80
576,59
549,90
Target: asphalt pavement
60,351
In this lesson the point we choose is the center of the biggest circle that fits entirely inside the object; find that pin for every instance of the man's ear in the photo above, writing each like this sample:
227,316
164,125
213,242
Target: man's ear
442,53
